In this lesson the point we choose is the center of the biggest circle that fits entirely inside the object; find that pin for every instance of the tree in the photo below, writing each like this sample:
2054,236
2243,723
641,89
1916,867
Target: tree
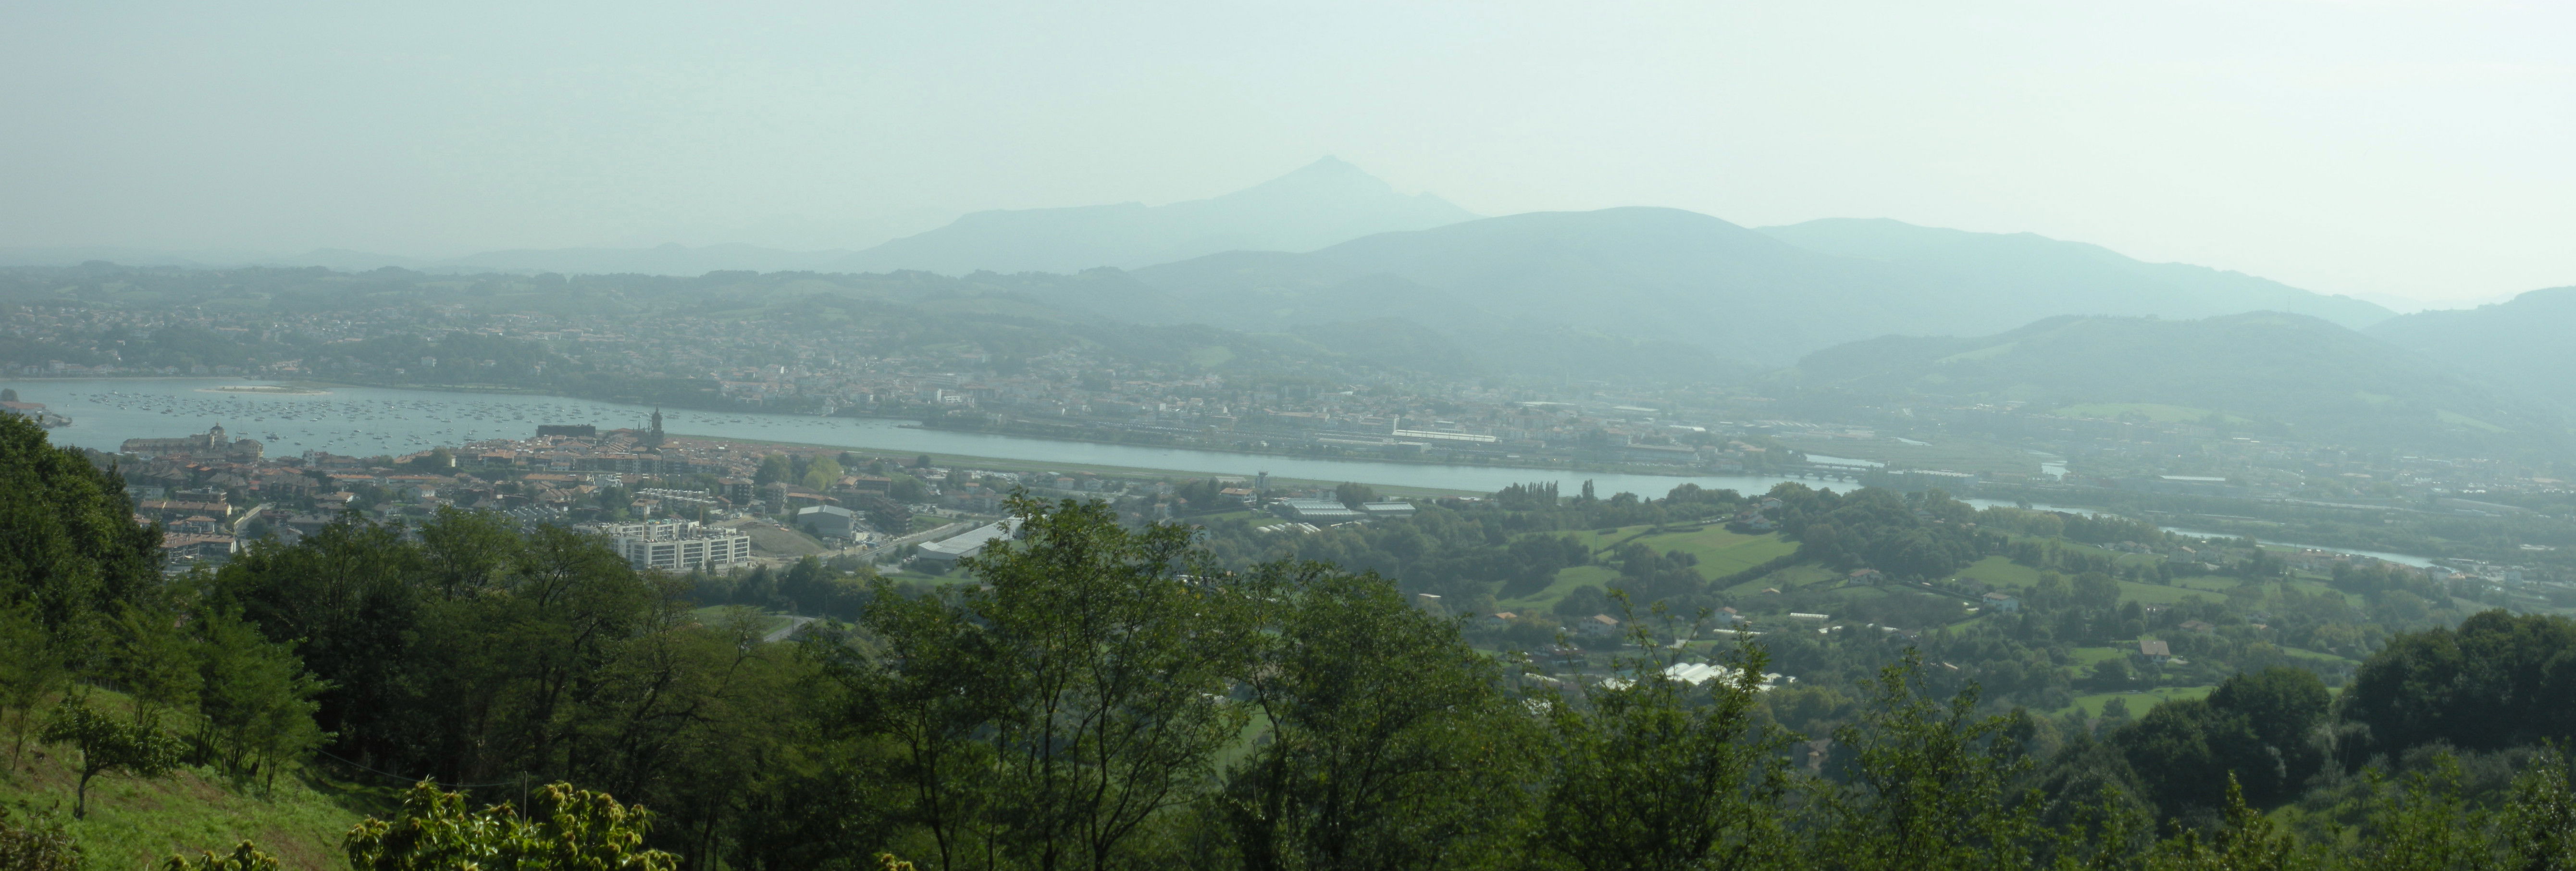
1051,715
244,857
2500,679
255,706
1649,778
2540,822
1929,783
773,469
1390,744
2425,826
571,830
138,747
69,546
1353,495
822,473
2247,841
30,671
32,843
2256,730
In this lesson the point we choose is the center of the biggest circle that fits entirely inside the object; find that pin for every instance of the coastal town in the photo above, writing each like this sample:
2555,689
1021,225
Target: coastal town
640,342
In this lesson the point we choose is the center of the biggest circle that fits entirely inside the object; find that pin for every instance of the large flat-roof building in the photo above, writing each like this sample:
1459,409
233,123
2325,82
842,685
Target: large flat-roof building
964,544
828,521
677,545
1319,511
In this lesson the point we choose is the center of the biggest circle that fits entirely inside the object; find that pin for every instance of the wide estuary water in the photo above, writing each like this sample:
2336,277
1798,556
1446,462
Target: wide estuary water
367,421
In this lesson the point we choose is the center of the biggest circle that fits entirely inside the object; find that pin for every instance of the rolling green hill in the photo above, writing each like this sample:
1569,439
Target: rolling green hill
2076,277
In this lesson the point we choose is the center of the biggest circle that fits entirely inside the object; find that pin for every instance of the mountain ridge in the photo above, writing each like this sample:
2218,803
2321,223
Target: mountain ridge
2521,342
1320,204
2024,263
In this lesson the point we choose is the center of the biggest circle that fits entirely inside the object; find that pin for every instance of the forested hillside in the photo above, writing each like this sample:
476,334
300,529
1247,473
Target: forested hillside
2521,343
1102,696
2076,277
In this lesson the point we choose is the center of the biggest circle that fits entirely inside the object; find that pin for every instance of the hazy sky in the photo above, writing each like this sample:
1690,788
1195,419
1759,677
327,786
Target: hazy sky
2393,150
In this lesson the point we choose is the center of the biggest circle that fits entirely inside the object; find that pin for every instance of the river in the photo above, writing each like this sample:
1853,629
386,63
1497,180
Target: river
368,421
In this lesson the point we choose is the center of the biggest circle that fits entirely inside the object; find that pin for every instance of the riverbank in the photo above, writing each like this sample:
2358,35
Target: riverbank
1568,467
1570,471
1005,464
374,421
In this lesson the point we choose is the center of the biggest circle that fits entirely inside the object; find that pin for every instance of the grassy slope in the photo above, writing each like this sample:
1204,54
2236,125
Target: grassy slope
1720,553
133,824
1566,580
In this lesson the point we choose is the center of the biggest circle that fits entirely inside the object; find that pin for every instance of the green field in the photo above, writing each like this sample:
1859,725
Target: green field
1720,552
2139,702
1566,580
2002,573
1784,579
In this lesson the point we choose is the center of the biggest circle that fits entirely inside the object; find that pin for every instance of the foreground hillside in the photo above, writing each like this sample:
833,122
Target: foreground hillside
2264,373
1258,694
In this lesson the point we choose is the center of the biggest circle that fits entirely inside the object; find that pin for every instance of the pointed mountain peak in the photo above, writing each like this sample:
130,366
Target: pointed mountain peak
1329,174
1330,165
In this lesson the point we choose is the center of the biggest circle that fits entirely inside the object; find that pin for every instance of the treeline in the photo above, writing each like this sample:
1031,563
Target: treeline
1099,696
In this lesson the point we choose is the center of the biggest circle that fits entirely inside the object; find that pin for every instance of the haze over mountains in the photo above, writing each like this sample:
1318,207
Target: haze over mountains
1330,249
1667,274
1326,202
2524,343
2078,277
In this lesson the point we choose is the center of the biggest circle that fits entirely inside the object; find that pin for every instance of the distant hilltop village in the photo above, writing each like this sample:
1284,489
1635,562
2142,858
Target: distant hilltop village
211,443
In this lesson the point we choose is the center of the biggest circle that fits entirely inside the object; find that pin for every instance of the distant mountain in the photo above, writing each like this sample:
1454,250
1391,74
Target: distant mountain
1683,278
2073,277
2264,374
1660,275
2522,343
1326,202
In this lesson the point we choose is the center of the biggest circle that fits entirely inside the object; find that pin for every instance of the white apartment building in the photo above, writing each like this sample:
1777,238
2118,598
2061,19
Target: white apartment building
677,545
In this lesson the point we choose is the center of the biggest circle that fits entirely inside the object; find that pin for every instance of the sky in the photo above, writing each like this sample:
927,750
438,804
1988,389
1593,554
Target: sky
2412,153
